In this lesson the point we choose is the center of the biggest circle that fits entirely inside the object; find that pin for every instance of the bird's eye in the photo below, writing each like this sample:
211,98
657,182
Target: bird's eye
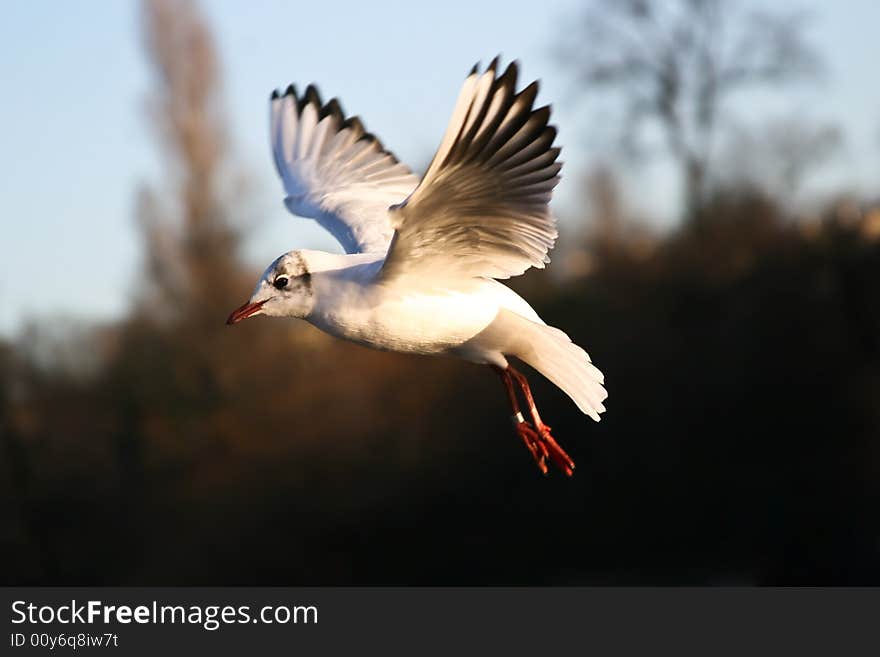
280,282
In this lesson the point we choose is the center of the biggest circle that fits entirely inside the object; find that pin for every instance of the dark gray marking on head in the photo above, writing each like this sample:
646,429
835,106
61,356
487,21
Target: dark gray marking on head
300,268
301,278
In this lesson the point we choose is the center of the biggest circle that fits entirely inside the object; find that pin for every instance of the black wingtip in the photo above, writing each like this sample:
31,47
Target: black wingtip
290,91
335,108
530,92
509,76
493,66
514,66
543,111
312,96
275,95
474,69
355,124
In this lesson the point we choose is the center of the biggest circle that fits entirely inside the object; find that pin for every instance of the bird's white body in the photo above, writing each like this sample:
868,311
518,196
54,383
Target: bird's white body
483,321
350,304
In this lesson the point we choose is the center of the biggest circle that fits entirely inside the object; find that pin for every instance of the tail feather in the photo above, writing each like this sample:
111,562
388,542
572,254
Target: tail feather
553,354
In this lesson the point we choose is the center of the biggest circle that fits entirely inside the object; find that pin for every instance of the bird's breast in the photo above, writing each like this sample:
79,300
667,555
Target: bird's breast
405,322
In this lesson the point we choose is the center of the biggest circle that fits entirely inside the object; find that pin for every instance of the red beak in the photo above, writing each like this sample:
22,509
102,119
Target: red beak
243,312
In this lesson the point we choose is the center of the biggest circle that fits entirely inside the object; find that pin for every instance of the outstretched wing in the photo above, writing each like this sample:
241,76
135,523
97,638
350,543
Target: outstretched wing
334,171
481,209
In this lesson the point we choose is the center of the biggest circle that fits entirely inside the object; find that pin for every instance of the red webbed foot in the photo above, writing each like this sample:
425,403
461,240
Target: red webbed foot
534,443
557,454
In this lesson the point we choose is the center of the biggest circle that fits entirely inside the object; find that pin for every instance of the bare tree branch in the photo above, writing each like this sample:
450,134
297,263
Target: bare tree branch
677,62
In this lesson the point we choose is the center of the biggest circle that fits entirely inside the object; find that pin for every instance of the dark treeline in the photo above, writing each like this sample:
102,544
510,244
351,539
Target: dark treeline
742,355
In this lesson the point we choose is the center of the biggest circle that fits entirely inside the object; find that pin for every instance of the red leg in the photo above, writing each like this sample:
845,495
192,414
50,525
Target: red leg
537,436
556,453
528,435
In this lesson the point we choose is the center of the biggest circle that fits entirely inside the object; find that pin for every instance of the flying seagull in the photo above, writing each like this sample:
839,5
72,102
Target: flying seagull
423,257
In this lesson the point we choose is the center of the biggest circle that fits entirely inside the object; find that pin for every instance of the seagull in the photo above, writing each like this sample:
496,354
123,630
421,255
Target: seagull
423,258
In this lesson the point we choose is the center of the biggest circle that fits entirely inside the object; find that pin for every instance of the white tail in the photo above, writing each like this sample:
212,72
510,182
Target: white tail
553,354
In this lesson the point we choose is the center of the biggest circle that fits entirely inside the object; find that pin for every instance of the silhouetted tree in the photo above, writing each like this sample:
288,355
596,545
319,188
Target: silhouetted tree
676,63
169,365
603,194
189,228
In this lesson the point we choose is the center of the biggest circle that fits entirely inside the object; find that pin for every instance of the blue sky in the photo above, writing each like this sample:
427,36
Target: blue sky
76,141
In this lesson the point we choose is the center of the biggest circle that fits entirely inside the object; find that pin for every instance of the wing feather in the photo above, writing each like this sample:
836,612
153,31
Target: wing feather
334,171
481,209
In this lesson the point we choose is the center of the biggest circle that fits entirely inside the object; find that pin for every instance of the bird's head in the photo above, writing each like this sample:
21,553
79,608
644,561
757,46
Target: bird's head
284,290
